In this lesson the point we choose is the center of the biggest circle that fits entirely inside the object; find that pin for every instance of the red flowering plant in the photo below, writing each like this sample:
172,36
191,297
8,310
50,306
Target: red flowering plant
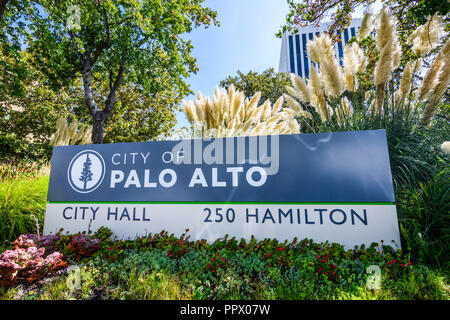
20,170
177,249
277,255
113,253
216,263
396,265
324,267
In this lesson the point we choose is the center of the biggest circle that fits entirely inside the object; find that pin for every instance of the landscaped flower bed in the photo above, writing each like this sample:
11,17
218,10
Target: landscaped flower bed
163,266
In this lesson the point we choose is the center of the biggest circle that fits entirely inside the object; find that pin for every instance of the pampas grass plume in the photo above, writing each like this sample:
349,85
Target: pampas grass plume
366,26
445,147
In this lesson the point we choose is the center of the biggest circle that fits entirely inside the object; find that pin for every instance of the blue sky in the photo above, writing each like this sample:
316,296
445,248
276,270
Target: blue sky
245,40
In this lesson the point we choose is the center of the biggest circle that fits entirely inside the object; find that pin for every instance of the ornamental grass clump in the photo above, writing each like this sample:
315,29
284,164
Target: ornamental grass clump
20,199
396,98
329,84
230,113
427,36
388,46
69,134
326,86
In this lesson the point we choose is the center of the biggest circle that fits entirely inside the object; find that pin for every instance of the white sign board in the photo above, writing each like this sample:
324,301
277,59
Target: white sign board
349,225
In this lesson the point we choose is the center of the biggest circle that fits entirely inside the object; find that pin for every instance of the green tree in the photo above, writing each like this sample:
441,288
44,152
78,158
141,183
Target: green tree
138,115
33,113
271,84
13,71
127,42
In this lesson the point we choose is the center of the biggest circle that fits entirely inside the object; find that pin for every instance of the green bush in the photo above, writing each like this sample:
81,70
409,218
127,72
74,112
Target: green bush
19,199
13,149
425,221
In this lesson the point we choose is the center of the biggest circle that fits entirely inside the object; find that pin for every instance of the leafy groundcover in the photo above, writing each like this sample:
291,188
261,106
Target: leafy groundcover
162,266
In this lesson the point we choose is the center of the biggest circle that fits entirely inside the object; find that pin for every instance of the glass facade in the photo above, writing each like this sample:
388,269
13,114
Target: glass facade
346,35
296,48
340,50
291,54
298,54
305,55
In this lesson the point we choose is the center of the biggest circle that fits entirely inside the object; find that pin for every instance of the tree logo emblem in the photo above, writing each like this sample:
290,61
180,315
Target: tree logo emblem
86,171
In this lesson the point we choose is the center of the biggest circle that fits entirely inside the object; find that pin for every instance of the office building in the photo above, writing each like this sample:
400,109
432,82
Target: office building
294,57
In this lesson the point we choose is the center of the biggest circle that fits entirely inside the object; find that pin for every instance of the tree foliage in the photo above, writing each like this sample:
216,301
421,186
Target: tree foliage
138,115
271,84
134,43
33,113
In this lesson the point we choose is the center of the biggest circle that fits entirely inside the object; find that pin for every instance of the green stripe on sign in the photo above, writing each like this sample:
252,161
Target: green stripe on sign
201,202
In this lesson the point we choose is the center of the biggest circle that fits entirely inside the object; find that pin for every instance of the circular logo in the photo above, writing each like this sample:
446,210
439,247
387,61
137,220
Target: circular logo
86,171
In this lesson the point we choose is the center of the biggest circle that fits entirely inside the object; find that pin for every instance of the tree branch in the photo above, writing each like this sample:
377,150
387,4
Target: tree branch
105,44
87,83
112,93
3,4
76,48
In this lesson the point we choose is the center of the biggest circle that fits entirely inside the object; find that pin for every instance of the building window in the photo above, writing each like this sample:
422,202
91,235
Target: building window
341,52
305,55
299,60
291,54
352,30
346,35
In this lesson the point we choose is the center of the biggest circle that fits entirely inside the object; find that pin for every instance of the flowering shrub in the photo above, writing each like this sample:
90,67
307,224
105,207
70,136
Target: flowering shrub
216,262
397,266
28,264
177,249
48,242
83,245
277,256
114,253
325,268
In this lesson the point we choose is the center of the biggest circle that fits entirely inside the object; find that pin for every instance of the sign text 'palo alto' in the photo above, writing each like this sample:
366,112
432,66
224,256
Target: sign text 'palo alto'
324,186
